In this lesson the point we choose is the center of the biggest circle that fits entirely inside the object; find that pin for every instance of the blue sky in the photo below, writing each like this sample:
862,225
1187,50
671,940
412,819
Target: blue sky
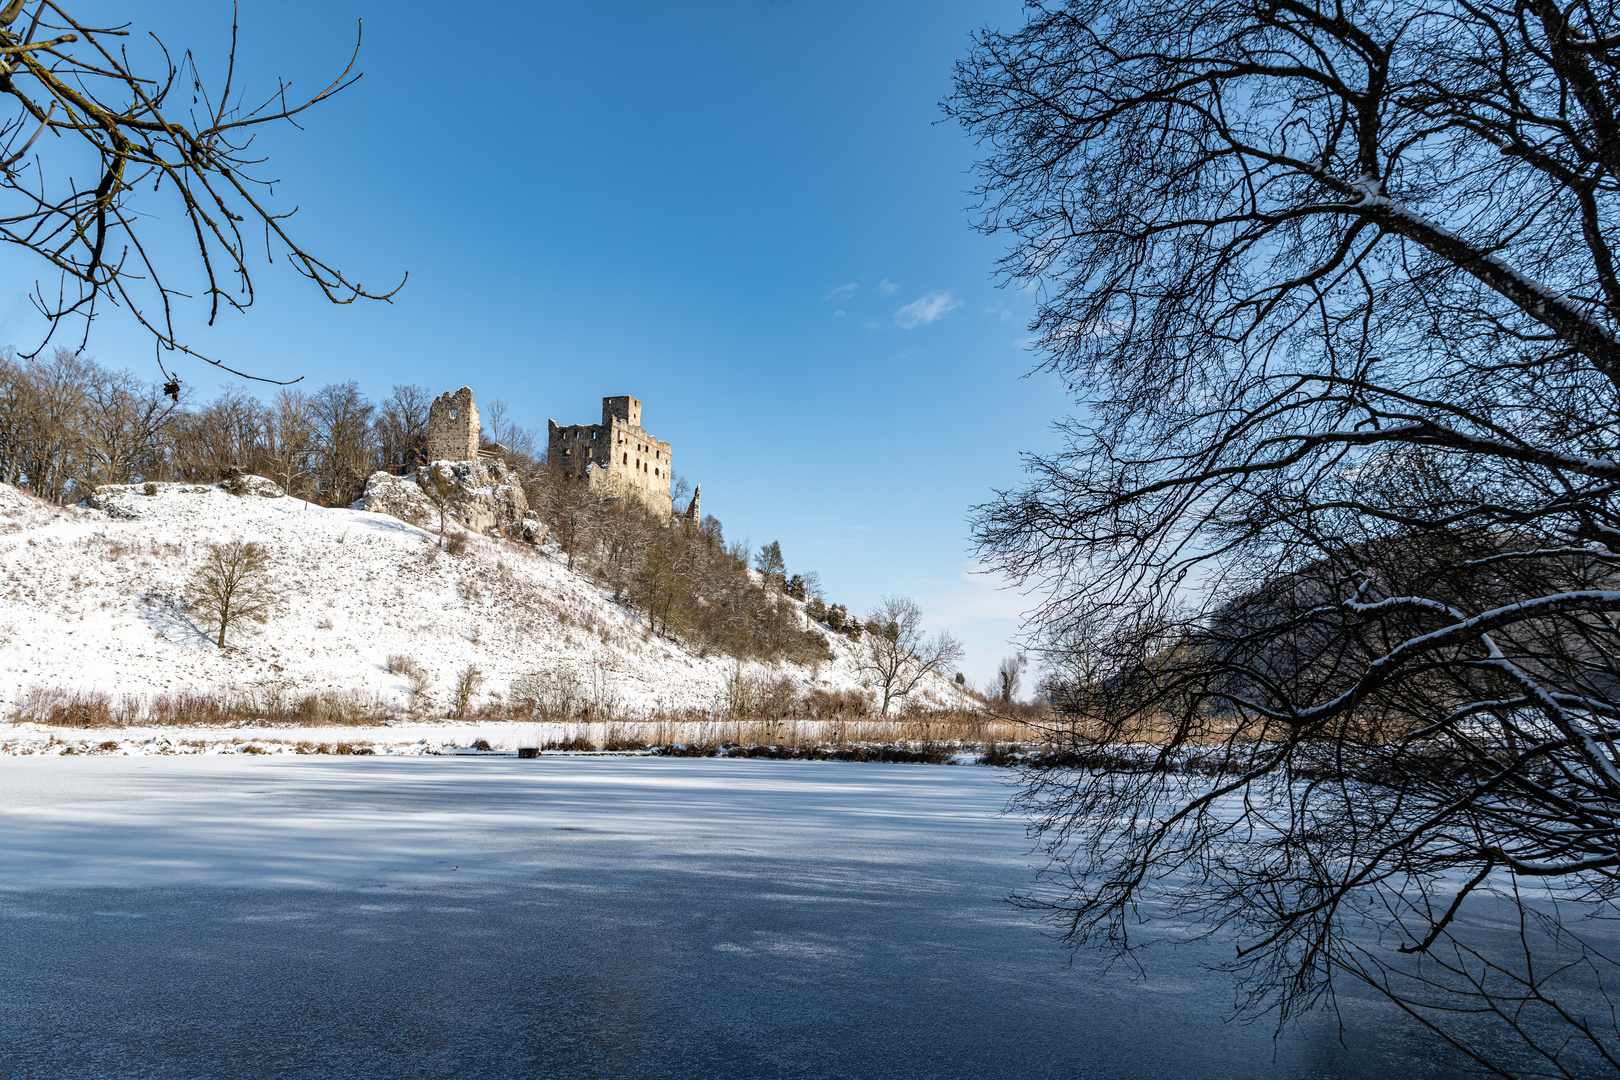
749,215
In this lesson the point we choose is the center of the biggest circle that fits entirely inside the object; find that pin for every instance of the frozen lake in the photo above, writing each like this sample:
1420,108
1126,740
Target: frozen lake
576,917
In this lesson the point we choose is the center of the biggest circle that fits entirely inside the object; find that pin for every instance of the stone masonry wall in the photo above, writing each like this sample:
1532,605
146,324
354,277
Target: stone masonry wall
453,427
616,455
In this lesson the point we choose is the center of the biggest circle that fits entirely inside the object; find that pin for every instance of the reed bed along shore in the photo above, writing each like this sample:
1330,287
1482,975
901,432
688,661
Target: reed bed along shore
371,720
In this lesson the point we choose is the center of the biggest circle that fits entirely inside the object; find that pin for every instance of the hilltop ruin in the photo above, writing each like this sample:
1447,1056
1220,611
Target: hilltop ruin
453,429
618,455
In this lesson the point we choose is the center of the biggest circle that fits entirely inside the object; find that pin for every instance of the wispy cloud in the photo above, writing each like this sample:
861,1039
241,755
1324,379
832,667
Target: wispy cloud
842,292
925,309
887,287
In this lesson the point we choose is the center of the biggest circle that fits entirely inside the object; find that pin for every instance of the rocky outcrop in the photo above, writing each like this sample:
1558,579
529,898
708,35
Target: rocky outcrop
238,481
398,496
484,496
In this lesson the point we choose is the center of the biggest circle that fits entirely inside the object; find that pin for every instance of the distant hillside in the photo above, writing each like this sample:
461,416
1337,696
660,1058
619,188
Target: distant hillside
93,599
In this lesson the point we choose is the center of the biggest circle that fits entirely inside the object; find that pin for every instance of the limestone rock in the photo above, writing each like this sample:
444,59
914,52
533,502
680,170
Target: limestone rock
398,496
239,482
116,500
102,497
483,496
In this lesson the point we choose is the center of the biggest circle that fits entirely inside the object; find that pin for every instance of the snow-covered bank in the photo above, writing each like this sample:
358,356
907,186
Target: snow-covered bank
868,742
91,600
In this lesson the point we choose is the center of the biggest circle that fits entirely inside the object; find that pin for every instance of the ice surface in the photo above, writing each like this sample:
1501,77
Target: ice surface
574,917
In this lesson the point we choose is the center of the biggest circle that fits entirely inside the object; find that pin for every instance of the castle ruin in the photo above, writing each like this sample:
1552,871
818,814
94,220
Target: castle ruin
453,427
617,455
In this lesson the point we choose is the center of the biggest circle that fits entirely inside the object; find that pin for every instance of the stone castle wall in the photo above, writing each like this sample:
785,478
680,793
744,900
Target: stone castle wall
617,455
453,427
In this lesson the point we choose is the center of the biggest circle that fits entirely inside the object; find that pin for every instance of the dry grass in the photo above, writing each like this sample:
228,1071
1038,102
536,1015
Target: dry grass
57,707
571,713
705,733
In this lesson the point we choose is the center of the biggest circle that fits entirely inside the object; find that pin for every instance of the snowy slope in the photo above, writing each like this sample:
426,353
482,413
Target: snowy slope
92,600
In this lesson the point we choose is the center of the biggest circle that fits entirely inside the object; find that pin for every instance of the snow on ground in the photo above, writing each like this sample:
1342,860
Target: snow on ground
581,917
411,738
92,600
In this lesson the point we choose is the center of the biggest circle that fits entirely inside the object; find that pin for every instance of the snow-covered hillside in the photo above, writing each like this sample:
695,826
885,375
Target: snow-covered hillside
92,599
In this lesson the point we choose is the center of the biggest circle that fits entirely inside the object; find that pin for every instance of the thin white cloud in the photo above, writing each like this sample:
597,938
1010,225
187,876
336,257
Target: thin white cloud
887,287
842,292
925,310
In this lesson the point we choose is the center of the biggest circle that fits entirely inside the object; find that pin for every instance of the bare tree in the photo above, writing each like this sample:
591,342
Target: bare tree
468,682
233,586
771,566
897,654
402,427
1008,674
45,444
442,496
126,423
566,503
291,437
100,99
344,437
1337,288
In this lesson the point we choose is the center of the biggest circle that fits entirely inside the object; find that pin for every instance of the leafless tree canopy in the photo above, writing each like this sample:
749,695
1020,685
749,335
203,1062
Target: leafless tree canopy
96,115
1332,544
1009,673
233,586
68,424
897,654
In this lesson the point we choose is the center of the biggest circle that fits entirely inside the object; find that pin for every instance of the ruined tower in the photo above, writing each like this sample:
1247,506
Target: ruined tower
616,455
453,427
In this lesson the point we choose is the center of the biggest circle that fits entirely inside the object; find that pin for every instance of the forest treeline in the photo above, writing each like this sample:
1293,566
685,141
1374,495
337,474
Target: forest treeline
68,425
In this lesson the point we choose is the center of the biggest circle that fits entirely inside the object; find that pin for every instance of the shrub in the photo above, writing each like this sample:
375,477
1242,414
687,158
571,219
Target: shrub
468,680
550,695
573,742
149,488
455,544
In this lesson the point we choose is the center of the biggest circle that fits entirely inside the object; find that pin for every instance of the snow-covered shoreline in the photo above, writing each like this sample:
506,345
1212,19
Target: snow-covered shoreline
450,737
